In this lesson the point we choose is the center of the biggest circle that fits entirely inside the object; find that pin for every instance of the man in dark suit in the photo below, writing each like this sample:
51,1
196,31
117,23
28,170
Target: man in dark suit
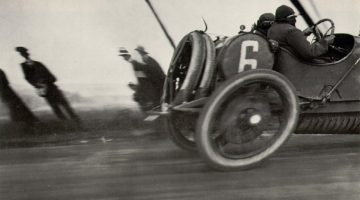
155,73
44,82
150,79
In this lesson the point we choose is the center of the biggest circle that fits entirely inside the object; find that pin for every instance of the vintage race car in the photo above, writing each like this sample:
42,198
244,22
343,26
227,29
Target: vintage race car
237,101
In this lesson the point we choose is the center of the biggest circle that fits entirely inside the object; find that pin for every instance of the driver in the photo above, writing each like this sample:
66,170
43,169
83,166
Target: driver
264,23
292,38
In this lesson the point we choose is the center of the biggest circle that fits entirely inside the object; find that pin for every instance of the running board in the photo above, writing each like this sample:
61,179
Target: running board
192,106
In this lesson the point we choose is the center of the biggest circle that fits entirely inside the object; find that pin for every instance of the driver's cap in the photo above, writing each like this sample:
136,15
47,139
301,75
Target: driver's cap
284,12
266,20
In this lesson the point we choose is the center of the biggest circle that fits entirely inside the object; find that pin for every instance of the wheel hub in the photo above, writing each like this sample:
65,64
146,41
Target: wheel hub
255,119
245,118
249,117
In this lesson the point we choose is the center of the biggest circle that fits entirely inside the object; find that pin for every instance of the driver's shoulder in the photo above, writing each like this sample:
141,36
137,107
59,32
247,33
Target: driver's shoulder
283,29
284,26
291,29
293,32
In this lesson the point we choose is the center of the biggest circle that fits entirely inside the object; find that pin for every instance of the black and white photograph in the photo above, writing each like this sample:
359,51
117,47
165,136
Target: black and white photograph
180,99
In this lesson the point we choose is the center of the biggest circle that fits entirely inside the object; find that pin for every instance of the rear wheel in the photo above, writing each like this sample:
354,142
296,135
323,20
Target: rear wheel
181,128
246,120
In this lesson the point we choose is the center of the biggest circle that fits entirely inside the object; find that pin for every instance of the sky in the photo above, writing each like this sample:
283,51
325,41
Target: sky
79,40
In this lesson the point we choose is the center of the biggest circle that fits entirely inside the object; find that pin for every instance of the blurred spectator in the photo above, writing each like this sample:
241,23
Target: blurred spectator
18,111
44,82
156,74
150,78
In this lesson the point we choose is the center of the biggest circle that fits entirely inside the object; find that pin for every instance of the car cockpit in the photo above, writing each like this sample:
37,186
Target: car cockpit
342,46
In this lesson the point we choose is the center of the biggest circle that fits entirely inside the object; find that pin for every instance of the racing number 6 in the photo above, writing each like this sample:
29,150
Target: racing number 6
243,61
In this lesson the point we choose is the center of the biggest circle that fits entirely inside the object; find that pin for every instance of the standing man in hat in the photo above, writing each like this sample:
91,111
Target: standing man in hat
44,82
155,72
292,38
149,77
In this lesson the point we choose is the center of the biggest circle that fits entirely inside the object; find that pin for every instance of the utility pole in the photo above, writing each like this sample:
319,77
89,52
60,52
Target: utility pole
303,12
161,24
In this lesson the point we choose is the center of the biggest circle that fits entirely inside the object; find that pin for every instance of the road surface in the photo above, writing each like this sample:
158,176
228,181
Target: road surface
142,167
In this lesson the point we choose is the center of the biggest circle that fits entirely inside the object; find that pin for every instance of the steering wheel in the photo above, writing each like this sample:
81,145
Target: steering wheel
329,32
316,31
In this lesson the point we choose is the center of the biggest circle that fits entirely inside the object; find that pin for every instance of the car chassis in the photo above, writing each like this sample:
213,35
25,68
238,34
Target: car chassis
237,100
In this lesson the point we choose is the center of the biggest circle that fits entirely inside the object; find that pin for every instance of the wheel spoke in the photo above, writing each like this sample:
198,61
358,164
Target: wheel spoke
220,140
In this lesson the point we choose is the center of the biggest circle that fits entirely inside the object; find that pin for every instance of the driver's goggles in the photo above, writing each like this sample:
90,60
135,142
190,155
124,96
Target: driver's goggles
292,16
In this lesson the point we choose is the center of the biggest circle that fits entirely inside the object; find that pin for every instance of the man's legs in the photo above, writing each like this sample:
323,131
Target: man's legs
55,107
69,109
53,100
61,100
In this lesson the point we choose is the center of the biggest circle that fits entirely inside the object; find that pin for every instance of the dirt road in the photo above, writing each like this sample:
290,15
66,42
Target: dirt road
142,167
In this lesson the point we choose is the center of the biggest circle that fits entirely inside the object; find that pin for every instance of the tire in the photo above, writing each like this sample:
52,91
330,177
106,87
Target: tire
235,128
181,130
180,86
194,43
209,73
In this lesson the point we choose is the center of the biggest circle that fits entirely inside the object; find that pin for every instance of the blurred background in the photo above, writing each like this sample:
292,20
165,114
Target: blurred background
79,40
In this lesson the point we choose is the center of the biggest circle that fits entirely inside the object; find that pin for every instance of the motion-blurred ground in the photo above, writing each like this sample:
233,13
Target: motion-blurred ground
105,115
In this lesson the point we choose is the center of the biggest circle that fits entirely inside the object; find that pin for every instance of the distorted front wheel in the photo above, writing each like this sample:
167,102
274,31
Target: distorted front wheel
190,76
246,119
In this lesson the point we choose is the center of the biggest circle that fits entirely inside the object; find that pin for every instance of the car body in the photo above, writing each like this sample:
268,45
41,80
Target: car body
258,89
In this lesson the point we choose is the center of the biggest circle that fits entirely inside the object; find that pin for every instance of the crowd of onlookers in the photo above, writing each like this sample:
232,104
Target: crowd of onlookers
147,90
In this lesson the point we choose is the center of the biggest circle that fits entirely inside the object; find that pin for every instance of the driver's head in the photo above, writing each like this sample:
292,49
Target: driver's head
265,21
285,14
